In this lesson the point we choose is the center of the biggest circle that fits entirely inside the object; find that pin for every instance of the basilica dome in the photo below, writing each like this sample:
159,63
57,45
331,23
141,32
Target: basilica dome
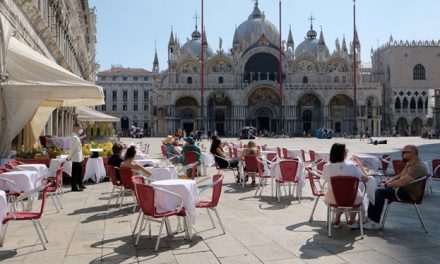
311,44
255,26
194,45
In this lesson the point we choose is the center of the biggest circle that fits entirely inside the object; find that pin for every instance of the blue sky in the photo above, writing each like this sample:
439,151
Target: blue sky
129,29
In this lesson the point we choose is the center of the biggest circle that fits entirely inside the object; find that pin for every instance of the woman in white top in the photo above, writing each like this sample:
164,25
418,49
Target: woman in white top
338,166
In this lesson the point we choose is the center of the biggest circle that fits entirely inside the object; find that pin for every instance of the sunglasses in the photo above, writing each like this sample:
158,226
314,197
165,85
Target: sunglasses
406,152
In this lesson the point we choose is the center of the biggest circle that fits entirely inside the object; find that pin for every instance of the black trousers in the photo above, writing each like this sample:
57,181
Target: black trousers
76,175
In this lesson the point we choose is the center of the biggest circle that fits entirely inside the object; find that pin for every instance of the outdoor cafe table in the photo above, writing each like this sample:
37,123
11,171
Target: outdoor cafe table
187,189
41,169
56,163
207,161
294,153
368,161
300,174
141,156
3,205
25,181
158,174
149,162
95,170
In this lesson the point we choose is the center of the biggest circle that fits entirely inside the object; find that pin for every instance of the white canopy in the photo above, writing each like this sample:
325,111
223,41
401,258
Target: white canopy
34,88
89,114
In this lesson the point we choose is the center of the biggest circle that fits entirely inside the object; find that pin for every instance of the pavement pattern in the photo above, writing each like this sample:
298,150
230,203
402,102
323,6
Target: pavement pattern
258,229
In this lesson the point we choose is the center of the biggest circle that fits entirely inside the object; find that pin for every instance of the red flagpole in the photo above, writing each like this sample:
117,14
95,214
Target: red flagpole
354,66
201,67
280,68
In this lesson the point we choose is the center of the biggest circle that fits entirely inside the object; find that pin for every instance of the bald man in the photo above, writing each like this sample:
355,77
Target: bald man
413,170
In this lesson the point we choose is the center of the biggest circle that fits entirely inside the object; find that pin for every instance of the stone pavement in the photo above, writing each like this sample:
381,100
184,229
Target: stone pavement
258,229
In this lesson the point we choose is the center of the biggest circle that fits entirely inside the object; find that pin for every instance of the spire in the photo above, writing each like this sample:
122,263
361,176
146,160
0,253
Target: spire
344,45
155,62
196,34
257,12
356,38
205,41
321,38
311,34
290,38
172,41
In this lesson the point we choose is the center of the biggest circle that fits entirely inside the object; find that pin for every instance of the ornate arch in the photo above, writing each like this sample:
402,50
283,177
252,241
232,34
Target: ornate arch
244,60
220,65
337,65
305,64
188,66
263,94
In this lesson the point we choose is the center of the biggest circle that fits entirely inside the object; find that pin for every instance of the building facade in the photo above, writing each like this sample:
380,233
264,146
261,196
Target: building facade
63,31
408,71
241,85
127,94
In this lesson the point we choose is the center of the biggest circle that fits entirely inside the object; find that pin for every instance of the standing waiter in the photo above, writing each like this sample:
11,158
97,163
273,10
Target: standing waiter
76,155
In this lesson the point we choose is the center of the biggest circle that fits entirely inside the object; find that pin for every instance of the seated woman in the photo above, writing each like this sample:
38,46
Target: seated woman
130,163
338,166
171,149
251,149
220,157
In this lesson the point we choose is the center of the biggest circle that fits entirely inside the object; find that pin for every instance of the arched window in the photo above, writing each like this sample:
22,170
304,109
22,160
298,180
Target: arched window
405,104
220,79
397,104
189,80
420,103
419,72
305,79
412,104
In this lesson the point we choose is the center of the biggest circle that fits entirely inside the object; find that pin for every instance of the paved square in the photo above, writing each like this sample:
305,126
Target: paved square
258,229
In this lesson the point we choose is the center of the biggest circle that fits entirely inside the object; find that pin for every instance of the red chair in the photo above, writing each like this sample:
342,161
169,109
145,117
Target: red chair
216,186
312,155
272,157
398,166
285,155
32,216
14,163
116,184
303,156
263,147
2,170
55,188
192,157
127,185
288,169
230,152
422,184
235,152
385,161
262,178
435,163
164,151
146,195
345,189
279,152
314,176
138,180
252,167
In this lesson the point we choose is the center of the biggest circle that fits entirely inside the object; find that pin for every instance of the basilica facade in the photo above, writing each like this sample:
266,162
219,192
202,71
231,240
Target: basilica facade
241,85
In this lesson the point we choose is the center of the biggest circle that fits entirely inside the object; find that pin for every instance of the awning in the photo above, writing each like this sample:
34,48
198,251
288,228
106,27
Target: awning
89,114
35,81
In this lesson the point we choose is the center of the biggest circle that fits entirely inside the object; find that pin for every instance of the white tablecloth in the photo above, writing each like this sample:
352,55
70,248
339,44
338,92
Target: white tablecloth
25,181
187,189
141,156
56,163
151,162
294,153
62,142
3,205
158,174
41,169
368,161
95,170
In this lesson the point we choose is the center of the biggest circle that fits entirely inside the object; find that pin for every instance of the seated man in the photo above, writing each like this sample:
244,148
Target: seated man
189,146
115,160
414,169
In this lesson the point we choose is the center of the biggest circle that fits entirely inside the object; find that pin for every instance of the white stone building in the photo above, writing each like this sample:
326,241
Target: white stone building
407,70
127,96
241,85
63,31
